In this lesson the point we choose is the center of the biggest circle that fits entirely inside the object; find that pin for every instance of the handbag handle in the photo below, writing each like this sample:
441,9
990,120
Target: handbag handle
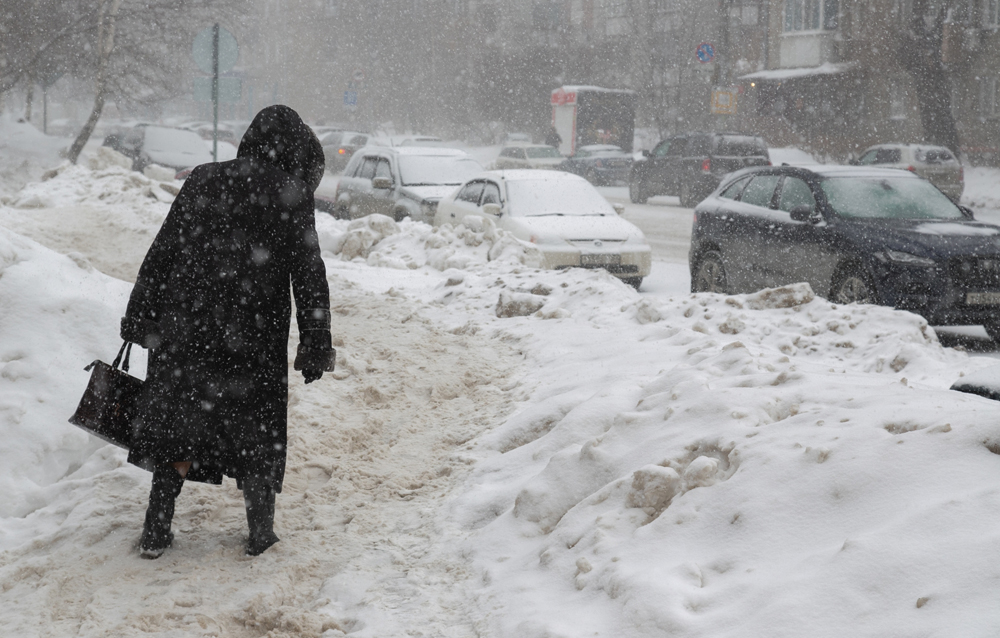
126,349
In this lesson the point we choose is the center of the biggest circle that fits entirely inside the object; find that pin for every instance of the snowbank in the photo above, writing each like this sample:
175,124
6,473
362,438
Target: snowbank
48,333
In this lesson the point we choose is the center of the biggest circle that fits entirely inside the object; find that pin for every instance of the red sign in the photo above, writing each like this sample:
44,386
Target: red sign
561,97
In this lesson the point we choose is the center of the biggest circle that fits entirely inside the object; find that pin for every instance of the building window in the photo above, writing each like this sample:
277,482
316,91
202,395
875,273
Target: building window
989,104
991,13
811,15
546,15
897,100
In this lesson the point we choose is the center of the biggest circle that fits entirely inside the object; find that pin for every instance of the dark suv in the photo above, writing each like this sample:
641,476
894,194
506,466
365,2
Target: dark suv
866,235
692,165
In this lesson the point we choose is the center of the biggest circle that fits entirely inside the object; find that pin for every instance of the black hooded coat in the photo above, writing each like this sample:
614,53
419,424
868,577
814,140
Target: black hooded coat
212,303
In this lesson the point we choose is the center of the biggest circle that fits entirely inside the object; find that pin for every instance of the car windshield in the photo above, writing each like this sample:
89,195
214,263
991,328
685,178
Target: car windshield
536,197
539,152
888,198
428,170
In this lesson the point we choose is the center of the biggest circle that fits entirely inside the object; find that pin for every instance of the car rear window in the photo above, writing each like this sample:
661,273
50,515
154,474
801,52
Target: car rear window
760,191
733,190
542,152
740,146
887,198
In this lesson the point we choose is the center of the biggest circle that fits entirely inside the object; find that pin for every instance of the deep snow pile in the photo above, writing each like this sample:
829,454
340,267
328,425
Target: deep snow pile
25,153
98,208
767,464
505,451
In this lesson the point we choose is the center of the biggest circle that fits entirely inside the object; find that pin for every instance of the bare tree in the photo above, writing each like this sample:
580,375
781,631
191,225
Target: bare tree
105,46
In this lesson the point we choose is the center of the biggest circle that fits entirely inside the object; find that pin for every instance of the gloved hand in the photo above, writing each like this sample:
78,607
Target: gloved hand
312,374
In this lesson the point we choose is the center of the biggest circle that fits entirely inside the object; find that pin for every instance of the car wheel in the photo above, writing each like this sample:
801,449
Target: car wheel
400,214
635,282
854,285
710,275
341,212
635,192
687,196
993,330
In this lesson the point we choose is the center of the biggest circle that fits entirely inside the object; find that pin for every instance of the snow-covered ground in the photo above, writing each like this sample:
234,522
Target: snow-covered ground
502,451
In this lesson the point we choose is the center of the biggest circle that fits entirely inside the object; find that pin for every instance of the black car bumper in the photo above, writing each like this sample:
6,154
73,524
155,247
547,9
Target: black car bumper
944,295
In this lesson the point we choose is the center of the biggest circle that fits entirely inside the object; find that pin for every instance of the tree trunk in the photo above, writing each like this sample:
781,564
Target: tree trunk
28,100
105,45
922,57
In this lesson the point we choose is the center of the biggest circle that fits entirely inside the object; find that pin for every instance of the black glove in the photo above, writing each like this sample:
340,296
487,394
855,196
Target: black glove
312,374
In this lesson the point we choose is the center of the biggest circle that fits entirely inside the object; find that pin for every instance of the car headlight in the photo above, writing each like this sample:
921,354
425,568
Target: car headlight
909,259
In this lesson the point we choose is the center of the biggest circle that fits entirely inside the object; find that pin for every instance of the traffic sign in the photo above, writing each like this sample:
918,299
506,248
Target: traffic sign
705,52
350,100
229,51
724,102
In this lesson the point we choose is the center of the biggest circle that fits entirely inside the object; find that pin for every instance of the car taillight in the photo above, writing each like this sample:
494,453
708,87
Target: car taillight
342,151
706,164
912,169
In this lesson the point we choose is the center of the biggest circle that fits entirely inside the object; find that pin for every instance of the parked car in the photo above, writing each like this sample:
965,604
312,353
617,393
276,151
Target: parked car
339,147
146,144
866,235
400,182
690,166
599,164
934,163
560,213
528,156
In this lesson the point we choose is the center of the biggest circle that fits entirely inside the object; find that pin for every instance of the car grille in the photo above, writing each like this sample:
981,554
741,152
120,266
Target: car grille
975,273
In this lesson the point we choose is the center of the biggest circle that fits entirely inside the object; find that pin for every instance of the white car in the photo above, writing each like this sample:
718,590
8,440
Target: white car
562,214
936,164
528,156
400,182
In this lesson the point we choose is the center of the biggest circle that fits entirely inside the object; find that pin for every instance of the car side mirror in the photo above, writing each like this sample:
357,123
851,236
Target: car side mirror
493,210
967,213
853,162
646,154
382,183
801,213
619,208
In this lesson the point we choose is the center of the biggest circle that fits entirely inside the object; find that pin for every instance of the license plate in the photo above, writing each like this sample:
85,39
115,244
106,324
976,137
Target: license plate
982,298
603,259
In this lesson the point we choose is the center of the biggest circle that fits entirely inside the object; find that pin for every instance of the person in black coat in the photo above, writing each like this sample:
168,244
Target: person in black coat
212,304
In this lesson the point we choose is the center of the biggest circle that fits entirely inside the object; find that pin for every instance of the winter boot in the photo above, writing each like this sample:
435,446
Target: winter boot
258,496
156,535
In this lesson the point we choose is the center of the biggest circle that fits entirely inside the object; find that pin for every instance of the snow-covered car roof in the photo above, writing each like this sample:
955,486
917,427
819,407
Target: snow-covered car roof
837,170
423,150
531,174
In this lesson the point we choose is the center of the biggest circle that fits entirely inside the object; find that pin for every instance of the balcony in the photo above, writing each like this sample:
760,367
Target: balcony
807,48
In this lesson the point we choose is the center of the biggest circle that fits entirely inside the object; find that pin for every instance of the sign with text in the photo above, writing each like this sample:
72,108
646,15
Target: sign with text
724,102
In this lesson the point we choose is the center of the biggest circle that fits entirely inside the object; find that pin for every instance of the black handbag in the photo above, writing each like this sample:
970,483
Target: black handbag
109,402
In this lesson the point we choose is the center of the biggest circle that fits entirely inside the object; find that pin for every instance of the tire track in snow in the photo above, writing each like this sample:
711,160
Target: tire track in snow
373,457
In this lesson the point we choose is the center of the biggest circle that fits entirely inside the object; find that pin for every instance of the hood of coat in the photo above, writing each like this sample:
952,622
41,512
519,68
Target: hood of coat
279,137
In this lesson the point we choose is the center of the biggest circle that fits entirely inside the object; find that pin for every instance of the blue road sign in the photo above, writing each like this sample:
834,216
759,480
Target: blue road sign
705,52
350,100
